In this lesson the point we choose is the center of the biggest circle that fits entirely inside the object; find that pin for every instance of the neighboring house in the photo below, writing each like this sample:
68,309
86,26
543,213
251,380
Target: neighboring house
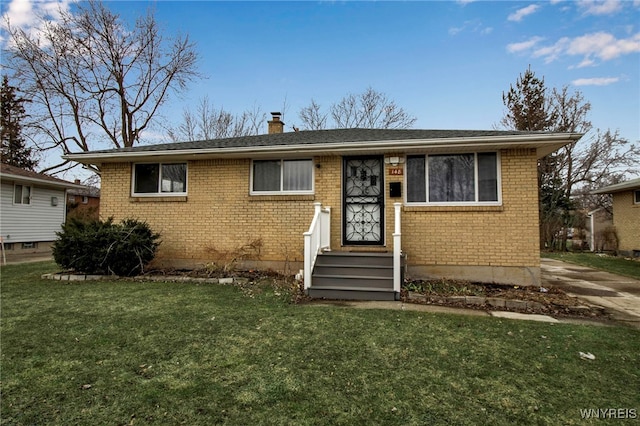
454,203
83,202
32,210
626,214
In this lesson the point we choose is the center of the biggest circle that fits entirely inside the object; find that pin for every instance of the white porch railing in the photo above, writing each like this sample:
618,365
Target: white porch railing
316,239
397,249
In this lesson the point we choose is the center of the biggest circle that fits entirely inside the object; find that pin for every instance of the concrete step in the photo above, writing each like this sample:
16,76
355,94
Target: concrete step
354,270
351,281
349,293
359,258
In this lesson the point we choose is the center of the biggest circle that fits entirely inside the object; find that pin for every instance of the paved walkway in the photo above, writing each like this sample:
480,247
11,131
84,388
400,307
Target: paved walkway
619,295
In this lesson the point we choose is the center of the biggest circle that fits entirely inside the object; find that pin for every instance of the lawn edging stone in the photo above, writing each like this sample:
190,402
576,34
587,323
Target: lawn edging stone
77,277
166,278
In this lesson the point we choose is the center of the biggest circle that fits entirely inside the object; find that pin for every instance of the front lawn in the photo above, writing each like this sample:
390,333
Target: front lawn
177,353
613,264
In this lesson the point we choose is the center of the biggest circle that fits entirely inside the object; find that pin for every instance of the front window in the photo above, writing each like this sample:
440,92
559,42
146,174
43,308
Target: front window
453,178
290,176
21,194
160,179
636,196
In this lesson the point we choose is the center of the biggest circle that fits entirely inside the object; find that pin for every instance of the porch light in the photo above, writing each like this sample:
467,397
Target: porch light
394,161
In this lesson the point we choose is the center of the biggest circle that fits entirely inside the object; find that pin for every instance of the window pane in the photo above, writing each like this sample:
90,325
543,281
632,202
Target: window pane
174,177
26,195
297,175
451,178
146,178
487,177
637,194
17,194
266,175
416,182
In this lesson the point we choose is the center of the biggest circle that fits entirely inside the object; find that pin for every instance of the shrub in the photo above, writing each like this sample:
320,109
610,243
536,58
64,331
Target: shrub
104,247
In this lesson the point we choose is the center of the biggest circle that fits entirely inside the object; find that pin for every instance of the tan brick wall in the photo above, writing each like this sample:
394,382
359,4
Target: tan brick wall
219,212
626,219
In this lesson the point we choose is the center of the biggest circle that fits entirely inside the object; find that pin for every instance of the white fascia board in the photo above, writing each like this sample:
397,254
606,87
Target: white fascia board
618,187
553,140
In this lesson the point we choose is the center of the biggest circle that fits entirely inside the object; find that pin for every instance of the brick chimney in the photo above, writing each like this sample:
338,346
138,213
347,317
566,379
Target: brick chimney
275,125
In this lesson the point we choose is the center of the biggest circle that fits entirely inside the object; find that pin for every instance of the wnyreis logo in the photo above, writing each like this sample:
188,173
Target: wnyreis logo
609,413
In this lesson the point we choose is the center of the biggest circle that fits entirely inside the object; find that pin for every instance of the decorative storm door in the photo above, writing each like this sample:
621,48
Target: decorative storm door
363,201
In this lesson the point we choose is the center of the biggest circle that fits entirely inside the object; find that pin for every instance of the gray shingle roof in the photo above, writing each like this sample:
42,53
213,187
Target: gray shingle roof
7,170
318,137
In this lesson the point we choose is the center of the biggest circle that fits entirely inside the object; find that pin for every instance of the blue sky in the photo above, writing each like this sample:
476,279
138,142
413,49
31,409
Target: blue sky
447,63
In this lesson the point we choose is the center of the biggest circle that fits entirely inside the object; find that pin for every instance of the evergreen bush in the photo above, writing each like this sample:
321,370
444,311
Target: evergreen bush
104,247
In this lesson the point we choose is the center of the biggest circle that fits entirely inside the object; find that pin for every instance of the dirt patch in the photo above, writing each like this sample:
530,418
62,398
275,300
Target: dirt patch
251,274
526,299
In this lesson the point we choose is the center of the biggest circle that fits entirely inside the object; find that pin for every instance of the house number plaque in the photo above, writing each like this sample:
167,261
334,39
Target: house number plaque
396,171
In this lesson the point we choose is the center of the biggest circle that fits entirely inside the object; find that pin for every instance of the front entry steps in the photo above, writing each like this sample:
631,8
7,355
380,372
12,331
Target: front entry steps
353,276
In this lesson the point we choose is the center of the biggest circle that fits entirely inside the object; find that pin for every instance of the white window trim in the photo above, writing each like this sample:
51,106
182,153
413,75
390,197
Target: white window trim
475,177
283,192
158,194
30,195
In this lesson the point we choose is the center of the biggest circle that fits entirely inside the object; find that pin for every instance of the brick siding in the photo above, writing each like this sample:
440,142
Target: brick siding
626,219
219,213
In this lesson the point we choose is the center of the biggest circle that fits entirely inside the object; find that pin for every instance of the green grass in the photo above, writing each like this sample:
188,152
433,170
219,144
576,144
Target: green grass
165,353
615,265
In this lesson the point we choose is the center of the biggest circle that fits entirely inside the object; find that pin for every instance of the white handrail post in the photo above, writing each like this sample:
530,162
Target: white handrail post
317,213
397,249
307,260
325,236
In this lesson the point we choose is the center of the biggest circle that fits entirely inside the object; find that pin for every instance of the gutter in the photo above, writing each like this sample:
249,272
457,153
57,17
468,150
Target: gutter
591,216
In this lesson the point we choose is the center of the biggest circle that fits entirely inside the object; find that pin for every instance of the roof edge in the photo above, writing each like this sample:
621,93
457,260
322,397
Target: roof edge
547,140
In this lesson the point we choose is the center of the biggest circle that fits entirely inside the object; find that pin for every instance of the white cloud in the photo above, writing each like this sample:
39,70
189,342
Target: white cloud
597,81
24,14
604,46
474,26
519,14
597,7
523,46
601,46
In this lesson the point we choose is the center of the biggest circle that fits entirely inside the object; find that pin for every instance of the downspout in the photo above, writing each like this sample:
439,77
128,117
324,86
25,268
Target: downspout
592,224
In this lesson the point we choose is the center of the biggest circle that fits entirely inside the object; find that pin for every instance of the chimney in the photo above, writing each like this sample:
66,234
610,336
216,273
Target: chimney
77,181
275,125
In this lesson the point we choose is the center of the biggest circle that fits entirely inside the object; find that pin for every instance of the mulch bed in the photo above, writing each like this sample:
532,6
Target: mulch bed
545,301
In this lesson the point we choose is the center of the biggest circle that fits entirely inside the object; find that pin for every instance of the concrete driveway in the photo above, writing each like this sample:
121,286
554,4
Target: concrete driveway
619,295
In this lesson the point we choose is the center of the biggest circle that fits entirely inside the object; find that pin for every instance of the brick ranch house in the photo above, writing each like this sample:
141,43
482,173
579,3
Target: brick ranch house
626,214
354,208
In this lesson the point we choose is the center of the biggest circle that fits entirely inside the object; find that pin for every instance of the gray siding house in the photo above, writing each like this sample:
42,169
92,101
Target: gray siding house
32,210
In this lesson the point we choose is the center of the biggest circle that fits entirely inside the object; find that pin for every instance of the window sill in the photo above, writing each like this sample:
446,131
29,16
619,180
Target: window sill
471,208
283,197
179,199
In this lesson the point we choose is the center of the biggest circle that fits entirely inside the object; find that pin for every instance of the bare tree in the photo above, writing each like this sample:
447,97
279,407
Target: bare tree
568,176
94,79
312,117
209,122
369,109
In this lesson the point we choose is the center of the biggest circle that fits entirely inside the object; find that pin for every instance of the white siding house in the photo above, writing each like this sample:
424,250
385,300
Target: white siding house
32,210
